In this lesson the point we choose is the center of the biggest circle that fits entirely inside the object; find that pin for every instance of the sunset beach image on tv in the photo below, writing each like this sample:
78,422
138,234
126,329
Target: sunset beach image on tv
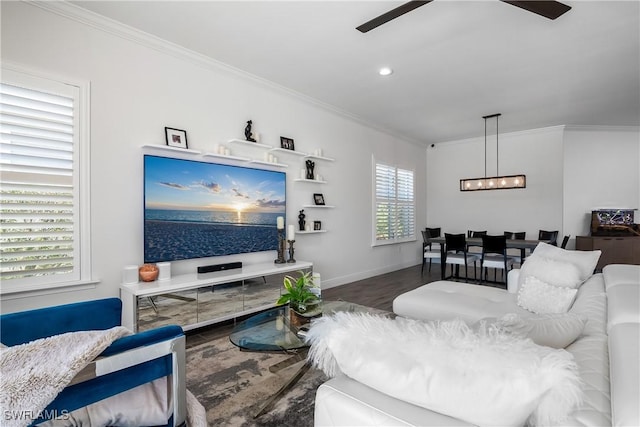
195,209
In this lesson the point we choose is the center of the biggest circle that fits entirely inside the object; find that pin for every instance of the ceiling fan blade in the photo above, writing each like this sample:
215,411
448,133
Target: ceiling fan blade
548,9
392,14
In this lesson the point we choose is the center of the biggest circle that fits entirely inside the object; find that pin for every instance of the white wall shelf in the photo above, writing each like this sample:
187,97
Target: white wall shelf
284,150
311,232
224,156
263,162
318,206
173,149
249,143
311,156
310,180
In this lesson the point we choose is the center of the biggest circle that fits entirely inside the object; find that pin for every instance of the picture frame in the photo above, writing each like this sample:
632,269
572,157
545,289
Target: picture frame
176,137
287,143
318,199
317,225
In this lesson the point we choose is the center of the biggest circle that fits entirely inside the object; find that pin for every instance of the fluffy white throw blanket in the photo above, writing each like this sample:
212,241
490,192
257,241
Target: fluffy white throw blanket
485,377
34,373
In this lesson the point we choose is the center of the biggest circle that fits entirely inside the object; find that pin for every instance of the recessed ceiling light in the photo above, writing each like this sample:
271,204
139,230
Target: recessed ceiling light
385,71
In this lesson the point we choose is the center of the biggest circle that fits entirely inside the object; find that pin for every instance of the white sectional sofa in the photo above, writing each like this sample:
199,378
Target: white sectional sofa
607,352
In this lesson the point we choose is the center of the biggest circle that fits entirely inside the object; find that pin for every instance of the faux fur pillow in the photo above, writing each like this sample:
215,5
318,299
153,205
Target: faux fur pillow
540,297
551,330
486,378
552,271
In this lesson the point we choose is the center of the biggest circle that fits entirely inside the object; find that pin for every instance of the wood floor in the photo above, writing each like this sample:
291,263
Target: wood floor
380,291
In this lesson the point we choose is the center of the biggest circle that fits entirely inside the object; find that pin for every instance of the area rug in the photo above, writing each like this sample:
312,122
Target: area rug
232,385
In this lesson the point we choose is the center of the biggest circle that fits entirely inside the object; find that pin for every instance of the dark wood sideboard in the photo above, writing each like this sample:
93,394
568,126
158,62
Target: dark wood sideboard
615,249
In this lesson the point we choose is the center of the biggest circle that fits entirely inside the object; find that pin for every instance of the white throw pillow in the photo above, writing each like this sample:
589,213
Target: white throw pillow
480,377
556,330
552,271
586,261
540,297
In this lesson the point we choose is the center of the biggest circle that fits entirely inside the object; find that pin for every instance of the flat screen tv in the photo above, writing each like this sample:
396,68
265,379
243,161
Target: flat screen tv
195,209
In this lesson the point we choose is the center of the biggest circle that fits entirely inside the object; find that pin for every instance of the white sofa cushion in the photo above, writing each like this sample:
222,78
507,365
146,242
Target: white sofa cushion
552,271
623,303
483,378
586,261
624,353
540,297
444,300
551,330
621,274
344,402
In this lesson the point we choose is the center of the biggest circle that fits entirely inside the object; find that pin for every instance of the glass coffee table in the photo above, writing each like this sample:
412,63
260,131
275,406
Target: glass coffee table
268,331
271,330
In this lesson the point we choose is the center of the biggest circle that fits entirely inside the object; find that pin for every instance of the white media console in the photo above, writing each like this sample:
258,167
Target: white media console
196,300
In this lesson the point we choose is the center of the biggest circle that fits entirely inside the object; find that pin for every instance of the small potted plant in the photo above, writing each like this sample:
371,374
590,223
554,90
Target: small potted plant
300,297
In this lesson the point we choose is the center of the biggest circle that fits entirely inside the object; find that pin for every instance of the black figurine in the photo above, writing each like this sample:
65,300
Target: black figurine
301,221
247,132
310,165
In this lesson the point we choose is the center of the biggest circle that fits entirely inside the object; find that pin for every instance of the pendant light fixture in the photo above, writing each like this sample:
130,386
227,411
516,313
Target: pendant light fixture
504,182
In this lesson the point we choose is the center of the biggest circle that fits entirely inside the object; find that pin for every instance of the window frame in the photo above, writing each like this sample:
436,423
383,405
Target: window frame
374,239
14,74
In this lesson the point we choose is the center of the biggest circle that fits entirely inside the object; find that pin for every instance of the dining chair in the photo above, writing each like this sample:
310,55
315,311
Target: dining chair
516,235
471,233
550,236
456,253
430,251
494,255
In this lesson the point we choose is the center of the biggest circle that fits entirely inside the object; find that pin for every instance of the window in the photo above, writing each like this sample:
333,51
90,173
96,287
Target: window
394,205
43,217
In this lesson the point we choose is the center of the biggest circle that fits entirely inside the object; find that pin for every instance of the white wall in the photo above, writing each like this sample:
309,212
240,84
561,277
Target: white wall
535,153
138,89
570,170
601,169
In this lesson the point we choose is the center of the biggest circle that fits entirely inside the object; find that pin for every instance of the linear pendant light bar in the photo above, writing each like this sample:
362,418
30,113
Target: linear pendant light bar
505,182
499,182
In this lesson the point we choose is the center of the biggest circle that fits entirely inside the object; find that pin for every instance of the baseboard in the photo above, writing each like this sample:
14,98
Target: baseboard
354,277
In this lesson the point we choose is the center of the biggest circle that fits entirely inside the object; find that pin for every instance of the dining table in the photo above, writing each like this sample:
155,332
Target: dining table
522,244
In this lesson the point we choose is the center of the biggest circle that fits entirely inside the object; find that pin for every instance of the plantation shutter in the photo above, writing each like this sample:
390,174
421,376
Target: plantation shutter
39,206
395,204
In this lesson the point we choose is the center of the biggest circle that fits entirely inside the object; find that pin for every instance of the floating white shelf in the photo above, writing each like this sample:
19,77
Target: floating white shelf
252,144
224,156
294,152
318,206
174,149
311,156
310,180
311,232
263,162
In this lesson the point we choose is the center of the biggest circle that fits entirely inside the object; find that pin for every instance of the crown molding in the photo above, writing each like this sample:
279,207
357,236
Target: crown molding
602,128
118,29
549,129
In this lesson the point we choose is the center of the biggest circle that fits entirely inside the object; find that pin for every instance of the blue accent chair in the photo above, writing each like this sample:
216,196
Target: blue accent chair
129,362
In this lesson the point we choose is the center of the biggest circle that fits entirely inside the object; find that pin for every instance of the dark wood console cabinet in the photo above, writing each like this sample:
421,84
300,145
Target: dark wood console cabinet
615,249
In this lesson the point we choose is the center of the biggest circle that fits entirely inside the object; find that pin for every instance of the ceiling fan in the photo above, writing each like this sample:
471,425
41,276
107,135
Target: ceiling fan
548,9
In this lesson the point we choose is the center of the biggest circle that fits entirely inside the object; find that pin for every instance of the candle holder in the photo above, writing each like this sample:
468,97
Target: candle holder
291,258
281,247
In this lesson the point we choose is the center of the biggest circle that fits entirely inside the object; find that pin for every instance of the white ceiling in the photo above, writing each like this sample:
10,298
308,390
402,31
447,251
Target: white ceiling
453,61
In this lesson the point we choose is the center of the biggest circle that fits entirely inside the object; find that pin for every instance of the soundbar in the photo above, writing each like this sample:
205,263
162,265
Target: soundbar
219,267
